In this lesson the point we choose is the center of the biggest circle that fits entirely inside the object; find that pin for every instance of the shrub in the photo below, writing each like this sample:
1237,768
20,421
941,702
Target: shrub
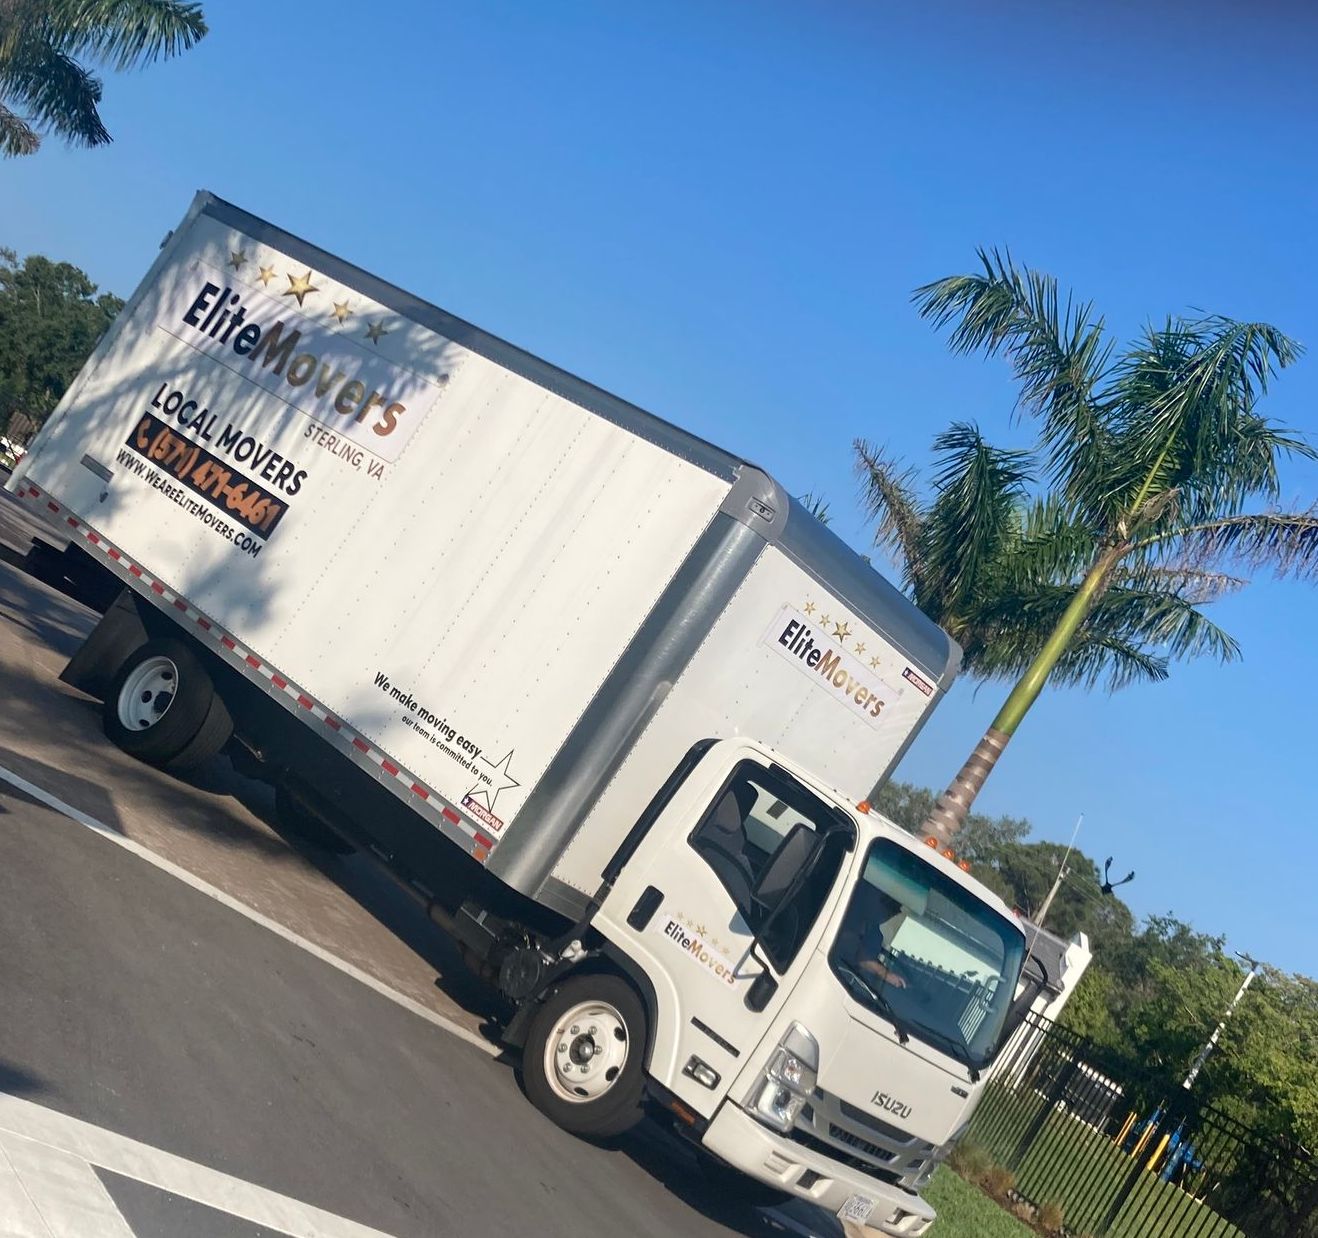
998,1181
970,1160
1050,1217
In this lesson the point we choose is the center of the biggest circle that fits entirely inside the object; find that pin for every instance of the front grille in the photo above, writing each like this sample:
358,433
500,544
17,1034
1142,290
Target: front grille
848,1135
815,1144
861,1145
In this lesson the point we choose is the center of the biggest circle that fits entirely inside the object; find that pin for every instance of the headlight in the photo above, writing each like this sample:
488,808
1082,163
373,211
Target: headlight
788,1080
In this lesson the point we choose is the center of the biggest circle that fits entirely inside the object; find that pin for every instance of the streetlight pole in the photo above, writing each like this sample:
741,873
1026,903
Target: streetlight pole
1254,968
1062,873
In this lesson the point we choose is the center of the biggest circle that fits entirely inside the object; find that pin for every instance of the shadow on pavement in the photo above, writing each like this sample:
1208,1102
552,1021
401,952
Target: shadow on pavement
672,1163
50,617
88,796
18,1082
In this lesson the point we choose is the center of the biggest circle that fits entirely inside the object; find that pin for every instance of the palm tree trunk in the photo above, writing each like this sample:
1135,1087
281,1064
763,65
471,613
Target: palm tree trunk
953,806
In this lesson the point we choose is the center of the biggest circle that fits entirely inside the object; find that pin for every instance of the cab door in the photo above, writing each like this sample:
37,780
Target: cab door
684,908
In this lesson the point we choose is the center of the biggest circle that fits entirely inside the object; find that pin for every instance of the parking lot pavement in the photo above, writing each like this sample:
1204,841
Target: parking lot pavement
209,1032
162,1053
217,825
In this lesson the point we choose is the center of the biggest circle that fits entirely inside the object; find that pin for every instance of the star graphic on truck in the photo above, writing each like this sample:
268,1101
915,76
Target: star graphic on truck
503,781
841,631
299,286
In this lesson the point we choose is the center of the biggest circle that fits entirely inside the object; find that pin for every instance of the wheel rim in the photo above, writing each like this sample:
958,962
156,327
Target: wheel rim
585,1055
148,693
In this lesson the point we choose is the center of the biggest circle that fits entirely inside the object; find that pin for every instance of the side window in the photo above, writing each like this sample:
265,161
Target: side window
746,824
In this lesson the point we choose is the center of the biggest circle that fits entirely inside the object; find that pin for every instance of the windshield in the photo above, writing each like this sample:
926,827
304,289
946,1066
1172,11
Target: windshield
923,950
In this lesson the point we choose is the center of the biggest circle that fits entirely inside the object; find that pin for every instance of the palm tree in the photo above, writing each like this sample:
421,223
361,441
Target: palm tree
997,569
43,85
1153,456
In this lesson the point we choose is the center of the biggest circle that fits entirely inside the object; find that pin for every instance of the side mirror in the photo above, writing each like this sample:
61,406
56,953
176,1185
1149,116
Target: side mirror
793,857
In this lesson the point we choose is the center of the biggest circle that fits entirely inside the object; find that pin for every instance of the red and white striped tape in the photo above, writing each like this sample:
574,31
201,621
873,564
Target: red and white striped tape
425,800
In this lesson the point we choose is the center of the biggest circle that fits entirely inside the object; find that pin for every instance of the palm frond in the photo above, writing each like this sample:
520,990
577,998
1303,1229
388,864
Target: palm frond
1284,542
58,91
125,34
1116,663
888,495
1168,622
1058,352
1055,544
816,505
17,137
1184,398
1131,633
1197,586
980,489
1095,656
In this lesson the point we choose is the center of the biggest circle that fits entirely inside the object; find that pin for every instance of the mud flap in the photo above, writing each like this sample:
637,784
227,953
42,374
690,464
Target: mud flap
100,656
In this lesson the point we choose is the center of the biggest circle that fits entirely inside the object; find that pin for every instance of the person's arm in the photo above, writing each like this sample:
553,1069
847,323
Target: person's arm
871,947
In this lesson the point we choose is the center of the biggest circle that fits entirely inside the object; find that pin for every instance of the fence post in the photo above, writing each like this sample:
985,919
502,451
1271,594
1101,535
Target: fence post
1055,1091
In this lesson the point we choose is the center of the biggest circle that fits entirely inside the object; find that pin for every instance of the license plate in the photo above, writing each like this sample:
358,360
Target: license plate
857,1208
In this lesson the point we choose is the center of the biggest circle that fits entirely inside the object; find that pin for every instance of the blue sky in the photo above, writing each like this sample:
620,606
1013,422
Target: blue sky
719,211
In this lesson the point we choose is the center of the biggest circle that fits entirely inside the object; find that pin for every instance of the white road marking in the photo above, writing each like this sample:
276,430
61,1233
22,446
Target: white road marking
53,1155
19,1217
204,887
63,1190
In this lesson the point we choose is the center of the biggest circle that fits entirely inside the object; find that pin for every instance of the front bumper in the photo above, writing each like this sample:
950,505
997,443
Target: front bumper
737,1138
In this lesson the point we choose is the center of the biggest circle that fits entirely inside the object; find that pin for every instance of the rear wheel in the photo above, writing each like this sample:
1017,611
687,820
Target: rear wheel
583,1060
162,707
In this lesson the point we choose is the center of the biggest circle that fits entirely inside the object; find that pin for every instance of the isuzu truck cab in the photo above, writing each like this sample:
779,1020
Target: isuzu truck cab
823,993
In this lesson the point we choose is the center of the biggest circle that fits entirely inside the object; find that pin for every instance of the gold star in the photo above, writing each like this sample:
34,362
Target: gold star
860,647
341,310
874,663
841,631
267,274
374,332
825,620
700,930
299,286
236,258
809,608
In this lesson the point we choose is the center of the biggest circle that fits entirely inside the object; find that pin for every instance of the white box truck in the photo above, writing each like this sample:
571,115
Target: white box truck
601,693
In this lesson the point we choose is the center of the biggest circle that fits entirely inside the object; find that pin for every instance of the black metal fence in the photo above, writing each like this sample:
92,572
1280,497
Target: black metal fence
1125,1156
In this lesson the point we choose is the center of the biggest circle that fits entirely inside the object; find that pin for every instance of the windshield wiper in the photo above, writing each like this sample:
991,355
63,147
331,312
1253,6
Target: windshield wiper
908,1027
958,1050
881,1003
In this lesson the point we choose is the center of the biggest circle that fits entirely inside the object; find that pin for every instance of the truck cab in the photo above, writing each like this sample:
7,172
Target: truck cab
820,992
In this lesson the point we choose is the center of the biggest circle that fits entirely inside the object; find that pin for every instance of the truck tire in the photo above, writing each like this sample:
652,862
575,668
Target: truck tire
162,707
583,1062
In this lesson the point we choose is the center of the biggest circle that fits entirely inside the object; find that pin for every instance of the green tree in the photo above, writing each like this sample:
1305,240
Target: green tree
44,84
51,317
1021,871
1162,480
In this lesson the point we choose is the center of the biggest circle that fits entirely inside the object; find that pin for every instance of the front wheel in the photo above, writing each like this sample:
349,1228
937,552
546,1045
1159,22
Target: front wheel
583,1060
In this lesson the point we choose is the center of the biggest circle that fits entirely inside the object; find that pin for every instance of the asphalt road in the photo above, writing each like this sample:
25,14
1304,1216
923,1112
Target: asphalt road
144,1020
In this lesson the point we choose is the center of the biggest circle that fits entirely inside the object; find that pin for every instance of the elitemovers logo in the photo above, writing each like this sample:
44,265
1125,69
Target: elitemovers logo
692,943
818,647
324,373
